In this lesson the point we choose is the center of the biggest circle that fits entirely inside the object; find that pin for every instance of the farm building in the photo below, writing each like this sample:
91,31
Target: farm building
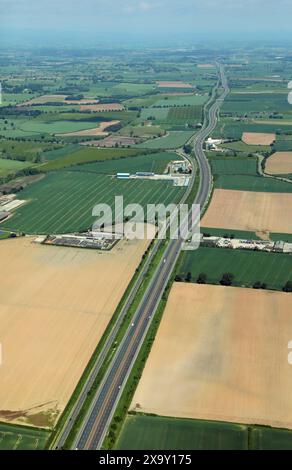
123,175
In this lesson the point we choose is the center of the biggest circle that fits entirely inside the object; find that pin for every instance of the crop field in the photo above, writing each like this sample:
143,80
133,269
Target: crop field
142,131
173,139
66,320
133,88
21,438
86,155
248,267
60,152
255,138
252,183
212,343
240,146
189,100
154,114
157,433
234,166
249,211
182,115
279,163
100,130
253,103
283,144
97,108
160,433
12,99
63,201
44,99
234,130
153,162
163,84
56,127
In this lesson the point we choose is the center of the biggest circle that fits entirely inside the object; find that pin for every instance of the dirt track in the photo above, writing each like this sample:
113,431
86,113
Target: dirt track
221,353
251,211
54,307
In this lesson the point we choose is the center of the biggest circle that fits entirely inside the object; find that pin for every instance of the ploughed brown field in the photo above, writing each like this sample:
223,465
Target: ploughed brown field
221,353
250,211
100,130
279,163
55,305
256,138
103,107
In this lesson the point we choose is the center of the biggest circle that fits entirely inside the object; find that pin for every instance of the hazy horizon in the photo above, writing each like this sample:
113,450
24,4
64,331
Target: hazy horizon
169,20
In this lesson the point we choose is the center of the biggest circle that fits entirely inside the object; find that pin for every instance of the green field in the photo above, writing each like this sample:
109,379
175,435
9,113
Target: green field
146,432
241,174
233,130
21,438
252,183
172,140
240,146
189,100
240,234
154,114
63,201
253,102
248,266
153,162
11,166
24,150
183,115
60,152
234,166
57,127
87,155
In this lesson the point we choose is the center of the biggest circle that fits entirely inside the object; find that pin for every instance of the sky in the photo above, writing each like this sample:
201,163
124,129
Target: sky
148,17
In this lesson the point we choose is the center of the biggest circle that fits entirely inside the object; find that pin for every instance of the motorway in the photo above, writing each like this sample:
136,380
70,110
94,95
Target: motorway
102,409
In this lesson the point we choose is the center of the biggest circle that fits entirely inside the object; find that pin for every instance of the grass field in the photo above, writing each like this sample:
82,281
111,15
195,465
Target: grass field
171,140
145,432
248,267
153,162
63,201
88,155
11,166
24,150
21,438
157,433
